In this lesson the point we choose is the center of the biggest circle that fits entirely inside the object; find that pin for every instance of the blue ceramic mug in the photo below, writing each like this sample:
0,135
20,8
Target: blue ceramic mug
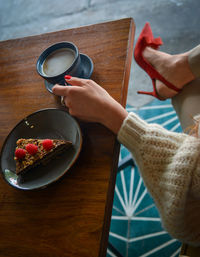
57,61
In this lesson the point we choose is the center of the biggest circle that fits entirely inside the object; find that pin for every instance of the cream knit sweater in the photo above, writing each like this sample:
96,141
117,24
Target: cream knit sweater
169,163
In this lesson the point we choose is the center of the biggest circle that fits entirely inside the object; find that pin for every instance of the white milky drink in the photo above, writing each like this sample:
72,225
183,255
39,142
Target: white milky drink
58,62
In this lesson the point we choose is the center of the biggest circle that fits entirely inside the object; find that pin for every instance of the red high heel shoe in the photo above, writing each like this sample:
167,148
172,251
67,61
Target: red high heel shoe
146,39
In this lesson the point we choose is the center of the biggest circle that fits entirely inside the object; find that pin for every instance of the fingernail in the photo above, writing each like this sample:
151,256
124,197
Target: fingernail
68,77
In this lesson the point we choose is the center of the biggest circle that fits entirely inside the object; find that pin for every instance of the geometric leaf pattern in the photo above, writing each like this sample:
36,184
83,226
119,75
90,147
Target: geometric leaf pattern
136,228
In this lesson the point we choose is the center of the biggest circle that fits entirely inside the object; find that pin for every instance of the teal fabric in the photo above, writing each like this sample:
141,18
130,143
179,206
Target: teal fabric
136,228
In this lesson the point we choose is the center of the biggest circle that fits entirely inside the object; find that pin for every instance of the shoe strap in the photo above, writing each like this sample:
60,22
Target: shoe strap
155,42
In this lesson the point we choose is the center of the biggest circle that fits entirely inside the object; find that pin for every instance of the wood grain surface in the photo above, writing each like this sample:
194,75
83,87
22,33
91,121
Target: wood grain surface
72,216
189,251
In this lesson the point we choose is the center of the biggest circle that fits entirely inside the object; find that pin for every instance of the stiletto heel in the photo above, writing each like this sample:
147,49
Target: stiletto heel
146,39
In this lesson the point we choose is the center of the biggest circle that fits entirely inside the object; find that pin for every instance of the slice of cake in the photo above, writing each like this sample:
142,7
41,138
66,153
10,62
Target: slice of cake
32,152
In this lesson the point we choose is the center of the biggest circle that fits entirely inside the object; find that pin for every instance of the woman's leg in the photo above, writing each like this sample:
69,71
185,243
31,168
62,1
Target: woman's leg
194,61
187,102
174,68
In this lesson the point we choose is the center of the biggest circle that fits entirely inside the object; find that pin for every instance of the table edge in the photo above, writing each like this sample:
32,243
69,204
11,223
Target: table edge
113,172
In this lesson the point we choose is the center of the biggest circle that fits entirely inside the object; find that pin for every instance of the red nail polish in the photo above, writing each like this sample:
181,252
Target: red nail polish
68,77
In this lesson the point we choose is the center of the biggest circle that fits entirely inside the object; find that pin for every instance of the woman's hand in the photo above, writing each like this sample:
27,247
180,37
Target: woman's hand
90,102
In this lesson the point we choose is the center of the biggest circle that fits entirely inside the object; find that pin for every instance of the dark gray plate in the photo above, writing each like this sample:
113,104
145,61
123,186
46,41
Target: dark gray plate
87,66
47,123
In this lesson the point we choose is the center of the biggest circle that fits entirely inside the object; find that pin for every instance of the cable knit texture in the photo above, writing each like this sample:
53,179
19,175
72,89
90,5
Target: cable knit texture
169,163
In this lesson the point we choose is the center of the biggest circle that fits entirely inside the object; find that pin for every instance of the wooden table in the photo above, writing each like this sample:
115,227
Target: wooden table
189,251
72,216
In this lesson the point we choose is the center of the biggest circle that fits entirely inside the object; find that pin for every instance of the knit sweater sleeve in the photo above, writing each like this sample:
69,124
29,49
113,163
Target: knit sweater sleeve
169,163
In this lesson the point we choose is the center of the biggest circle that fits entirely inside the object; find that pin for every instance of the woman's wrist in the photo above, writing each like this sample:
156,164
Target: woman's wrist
113,116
